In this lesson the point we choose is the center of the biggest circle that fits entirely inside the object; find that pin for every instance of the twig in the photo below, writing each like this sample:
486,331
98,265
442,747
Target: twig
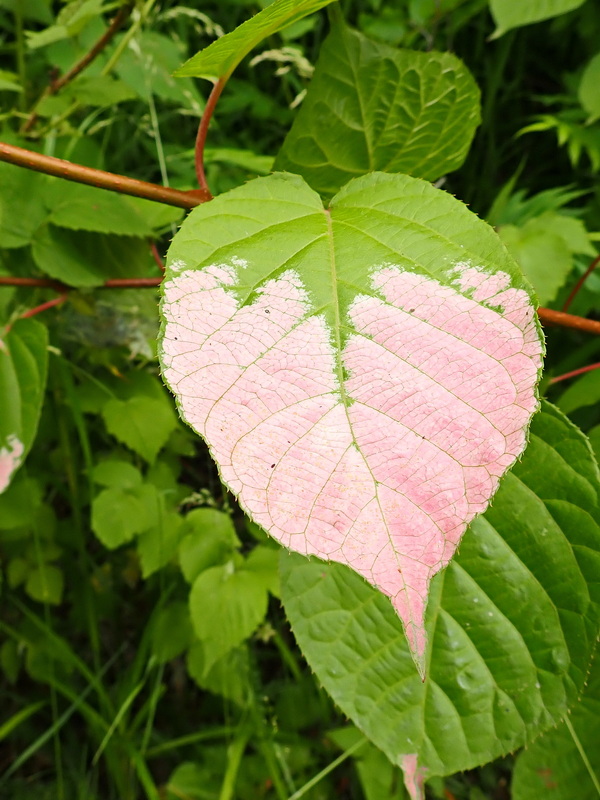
157,257
58,286
101,179
574,373
56,85
549,316
580,282
203,130
56,301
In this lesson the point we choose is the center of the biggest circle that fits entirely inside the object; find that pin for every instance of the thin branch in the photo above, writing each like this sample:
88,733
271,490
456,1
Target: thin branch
550,317
156,256
56,301
58,286
574,373
203,130
56,85
101,179
580,282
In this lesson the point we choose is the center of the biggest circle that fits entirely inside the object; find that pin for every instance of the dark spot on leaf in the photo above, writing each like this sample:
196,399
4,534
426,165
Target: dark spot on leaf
272,466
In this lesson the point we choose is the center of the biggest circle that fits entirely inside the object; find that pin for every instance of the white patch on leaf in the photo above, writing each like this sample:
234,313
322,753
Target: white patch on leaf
385,475
10,459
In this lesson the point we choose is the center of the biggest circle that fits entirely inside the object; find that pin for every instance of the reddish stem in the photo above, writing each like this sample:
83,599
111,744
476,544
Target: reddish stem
56,85
57,286
99,178
580,282
157,257
548,316
56,301
574,373
203,130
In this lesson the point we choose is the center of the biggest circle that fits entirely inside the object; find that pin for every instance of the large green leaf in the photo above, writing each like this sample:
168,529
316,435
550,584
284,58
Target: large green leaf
23,368
512,620
364,375
221,57
516,13
374,107
565,762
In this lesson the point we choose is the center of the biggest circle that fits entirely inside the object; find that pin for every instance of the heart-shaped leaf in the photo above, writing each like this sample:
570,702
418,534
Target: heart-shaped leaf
363,375
375,107
513,622
220,58
23,368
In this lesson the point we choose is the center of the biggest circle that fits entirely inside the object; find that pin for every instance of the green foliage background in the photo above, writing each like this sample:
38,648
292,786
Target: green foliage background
144,651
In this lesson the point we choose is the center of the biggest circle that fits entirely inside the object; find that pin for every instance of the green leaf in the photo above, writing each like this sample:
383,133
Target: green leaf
221,57
190,781
208,539
378,777
543,255
99,90
229,676
172,632
85,259
70,21
142,423
374,107
20,503
565,762
512,620
589,88
514,13
226,608
264,561
119,514
148,69
158,545
118,474
22,209
585,391
45,584
86,208
23,369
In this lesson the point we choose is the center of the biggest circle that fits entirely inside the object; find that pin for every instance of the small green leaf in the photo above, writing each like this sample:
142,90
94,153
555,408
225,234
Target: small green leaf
119,514
221,57
17,571
589,88
23,369
45,584
209,539
374,107
158,545
228,677
142,423
264,561
85,258
172,632
118,474
86,208
22,209
585,391
190,781
565,762
544,256
226,608
516,13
